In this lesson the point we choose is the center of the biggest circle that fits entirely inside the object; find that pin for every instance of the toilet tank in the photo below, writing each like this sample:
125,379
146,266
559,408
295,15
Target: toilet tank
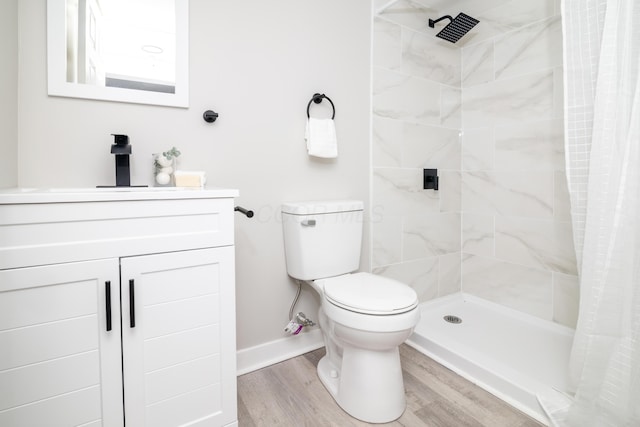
322,238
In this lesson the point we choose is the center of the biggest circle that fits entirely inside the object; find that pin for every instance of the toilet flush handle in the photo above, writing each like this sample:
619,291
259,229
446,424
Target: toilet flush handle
308,223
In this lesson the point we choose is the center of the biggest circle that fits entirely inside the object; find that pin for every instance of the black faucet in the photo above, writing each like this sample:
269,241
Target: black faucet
122,150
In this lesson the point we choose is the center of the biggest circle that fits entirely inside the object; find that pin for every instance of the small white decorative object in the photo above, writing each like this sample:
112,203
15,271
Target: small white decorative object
164,160
164,166
163,178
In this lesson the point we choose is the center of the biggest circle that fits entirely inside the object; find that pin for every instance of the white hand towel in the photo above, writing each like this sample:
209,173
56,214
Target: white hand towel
321,138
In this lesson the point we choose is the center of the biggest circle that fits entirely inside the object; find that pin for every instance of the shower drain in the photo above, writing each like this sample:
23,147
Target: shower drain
452,319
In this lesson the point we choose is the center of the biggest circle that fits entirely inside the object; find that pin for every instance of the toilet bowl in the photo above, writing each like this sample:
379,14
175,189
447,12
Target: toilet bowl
363,317
361,368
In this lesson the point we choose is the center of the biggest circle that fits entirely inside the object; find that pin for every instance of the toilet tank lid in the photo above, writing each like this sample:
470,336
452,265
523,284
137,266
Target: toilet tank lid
322,206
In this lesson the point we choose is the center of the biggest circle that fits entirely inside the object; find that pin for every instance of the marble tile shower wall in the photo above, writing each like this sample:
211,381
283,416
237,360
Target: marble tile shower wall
416,125
487,113
517,247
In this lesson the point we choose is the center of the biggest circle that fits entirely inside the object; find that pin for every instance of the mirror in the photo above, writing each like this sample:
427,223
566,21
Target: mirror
119,50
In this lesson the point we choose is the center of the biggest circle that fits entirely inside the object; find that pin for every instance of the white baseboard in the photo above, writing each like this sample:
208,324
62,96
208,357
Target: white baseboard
263,355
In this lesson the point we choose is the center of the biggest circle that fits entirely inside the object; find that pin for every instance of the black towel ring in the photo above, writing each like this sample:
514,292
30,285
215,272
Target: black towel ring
317,98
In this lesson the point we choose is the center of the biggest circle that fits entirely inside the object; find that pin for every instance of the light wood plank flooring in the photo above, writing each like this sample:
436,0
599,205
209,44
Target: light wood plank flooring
290,394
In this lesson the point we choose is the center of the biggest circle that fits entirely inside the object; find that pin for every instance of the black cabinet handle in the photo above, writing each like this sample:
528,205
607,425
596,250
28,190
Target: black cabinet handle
132,305
107,292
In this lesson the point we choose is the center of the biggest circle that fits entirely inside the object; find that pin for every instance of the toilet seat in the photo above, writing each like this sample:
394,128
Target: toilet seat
369,294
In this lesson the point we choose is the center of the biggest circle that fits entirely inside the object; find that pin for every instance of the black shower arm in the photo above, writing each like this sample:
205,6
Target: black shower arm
433,23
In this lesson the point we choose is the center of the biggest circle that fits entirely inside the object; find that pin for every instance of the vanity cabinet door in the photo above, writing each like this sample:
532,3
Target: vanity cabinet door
60,361
178,333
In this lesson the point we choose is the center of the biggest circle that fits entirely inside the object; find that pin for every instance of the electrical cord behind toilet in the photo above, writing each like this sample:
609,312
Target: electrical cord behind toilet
300,320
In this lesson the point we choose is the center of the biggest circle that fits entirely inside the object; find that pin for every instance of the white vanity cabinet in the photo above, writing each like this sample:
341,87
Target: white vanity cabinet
117,308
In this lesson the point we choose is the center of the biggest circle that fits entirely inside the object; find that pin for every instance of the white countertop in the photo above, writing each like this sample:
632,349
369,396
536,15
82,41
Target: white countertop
71,195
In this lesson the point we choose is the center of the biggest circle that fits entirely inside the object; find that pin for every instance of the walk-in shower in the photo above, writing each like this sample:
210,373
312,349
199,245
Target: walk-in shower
493,249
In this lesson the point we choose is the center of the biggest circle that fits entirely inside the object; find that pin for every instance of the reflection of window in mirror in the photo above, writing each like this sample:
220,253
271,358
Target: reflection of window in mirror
122,43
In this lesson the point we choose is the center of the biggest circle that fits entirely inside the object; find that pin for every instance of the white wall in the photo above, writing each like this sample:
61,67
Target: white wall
8,93
257,64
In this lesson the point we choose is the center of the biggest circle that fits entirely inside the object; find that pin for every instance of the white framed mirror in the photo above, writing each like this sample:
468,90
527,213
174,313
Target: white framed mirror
119,50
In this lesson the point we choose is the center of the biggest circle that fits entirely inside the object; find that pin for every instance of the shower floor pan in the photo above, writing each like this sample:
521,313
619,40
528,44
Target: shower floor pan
508,353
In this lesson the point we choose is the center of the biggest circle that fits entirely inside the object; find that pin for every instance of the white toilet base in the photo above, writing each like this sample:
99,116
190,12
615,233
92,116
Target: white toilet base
368,385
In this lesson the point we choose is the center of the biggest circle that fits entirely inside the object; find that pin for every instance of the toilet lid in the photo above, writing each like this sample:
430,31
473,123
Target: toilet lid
370,294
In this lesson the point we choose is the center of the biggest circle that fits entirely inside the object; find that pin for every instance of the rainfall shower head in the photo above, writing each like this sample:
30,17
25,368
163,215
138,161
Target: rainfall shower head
455,29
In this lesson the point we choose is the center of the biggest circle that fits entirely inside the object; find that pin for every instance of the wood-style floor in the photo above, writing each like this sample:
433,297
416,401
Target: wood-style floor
290,394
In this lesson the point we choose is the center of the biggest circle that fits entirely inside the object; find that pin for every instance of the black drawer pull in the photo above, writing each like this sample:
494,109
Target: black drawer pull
132,305
107,292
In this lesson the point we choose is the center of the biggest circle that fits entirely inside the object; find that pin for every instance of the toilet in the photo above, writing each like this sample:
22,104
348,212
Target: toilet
363,317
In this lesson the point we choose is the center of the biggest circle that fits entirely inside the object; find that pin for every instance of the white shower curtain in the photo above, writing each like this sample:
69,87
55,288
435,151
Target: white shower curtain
602,124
